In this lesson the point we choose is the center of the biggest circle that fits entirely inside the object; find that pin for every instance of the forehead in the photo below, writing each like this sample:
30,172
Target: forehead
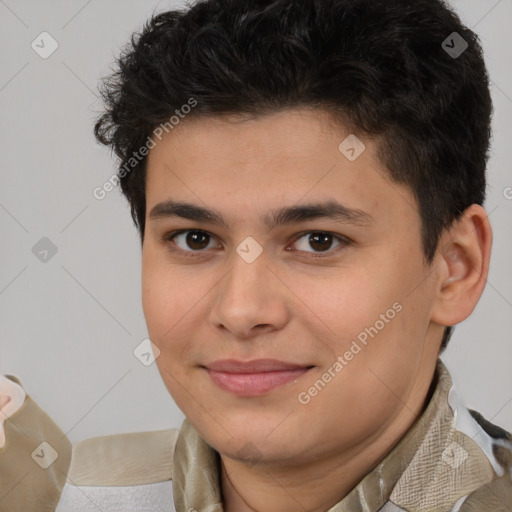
270,161
287,135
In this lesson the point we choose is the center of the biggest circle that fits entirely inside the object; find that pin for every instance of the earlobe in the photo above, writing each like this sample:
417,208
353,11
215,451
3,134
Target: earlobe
463,257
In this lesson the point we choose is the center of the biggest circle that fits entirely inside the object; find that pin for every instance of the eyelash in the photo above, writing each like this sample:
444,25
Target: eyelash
168,239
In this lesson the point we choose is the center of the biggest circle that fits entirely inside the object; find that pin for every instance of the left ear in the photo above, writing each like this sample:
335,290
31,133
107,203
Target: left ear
463,258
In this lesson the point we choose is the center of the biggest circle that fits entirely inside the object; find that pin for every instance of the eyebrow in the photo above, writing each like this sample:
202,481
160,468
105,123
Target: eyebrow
330,209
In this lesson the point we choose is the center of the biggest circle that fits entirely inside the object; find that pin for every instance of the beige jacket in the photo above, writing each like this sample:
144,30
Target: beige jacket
451,460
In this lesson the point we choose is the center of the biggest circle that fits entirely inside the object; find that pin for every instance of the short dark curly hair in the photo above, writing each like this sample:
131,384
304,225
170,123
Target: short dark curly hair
394,70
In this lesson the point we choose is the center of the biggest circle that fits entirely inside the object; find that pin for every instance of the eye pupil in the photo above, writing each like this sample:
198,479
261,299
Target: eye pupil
320,238
194,237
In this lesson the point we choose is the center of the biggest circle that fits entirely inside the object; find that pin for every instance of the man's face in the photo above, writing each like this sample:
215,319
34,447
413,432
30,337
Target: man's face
347,299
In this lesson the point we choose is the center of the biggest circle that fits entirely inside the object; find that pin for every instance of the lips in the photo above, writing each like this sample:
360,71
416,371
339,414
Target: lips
254,378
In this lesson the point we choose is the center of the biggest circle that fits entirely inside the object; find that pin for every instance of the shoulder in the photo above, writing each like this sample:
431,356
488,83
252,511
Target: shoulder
123,459
128,471
35,454
495,495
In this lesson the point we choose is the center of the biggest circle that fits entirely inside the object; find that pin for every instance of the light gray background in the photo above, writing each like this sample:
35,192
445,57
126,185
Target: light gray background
68,327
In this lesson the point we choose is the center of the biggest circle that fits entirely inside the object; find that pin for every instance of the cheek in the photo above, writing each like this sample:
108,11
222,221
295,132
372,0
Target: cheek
172,302
343,303
372,312
163,286
160,297
165,310
151,292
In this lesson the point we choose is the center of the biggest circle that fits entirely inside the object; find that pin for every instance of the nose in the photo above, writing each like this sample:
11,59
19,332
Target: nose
250,299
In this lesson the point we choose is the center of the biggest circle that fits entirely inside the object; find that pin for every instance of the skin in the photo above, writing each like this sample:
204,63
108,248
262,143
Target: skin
291,306
12,396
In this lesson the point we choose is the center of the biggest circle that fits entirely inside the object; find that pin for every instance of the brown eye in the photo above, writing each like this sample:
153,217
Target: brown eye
197,240
321,241
188,241
315,242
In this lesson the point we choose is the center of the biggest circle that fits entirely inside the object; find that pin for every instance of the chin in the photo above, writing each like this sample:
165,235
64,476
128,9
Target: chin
250,442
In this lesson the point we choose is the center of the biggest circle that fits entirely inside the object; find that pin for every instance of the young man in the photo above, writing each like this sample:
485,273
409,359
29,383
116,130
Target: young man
307,178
